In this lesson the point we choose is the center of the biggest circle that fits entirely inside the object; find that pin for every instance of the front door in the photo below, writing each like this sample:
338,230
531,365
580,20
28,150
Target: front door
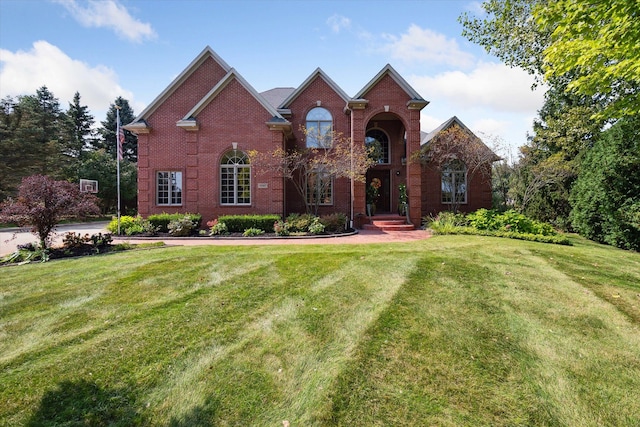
383,204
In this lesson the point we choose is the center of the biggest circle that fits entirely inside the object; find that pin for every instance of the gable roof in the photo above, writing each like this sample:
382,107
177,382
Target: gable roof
188,121
317,73
206,53
425,138
391,72
277,95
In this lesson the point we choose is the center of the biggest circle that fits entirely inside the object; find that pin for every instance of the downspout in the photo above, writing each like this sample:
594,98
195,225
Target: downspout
352,184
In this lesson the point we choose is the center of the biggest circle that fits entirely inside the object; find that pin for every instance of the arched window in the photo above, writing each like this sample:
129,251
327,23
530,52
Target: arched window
454,182
235,179
319,126
379,141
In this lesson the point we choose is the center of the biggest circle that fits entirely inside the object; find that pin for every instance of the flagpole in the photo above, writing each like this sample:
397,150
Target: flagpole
118,156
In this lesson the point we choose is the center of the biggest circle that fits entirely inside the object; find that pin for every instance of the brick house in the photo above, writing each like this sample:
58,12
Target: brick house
193,141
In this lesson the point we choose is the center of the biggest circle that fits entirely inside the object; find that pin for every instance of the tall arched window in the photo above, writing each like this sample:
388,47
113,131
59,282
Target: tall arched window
379,141
454,182
319,125
235,179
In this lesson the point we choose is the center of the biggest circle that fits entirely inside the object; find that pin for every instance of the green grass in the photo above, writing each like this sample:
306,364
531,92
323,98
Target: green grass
450,331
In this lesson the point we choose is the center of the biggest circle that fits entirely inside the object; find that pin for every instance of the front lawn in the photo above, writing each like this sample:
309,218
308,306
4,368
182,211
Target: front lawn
450,331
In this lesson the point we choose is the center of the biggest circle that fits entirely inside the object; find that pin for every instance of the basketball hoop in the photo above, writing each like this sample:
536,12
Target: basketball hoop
88,186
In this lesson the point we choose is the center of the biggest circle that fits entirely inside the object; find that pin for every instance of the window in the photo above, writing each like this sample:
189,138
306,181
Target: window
379,142
319,189
454,183
319,126
235,179
169,185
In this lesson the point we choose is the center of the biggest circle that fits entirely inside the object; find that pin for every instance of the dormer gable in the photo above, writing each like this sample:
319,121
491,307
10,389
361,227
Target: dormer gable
207,53
189,121
317,74
415,100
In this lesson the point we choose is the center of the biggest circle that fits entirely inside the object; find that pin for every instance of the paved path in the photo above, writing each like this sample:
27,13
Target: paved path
10,238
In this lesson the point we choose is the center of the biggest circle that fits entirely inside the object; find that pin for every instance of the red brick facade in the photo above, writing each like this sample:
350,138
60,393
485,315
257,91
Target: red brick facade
209,110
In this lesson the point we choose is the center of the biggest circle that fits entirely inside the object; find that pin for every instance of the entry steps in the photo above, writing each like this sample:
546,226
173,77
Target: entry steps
388,223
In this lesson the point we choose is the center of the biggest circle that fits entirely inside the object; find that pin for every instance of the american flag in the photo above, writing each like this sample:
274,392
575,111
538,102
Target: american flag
120,133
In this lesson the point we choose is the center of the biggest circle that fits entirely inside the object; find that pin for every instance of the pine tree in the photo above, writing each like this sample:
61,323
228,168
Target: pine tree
108,131
79,136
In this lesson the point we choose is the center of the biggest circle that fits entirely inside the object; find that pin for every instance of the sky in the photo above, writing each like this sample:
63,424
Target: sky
135,48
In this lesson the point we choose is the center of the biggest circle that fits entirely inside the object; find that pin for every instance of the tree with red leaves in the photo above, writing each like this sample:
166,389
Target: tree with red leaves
42,202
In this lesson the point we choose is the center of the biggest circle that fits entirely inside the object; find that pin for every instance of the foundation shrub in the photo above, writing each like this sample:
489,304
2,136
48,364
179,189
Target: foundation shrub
240,223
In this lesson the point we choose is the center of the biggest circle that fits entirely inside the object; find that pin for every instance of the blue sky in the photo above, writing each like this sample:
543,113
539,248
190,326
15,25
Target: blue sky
135,48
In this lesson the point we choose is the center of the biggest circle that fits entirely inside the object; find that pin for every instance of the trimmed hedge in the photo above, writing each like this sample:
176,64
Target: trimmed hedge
161,221
240,223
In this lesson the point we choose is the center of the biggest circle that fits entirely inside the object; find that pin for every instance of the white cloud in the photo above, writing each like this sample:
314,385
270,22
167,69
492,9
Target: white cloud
22,73
426,46
489,85
110,14
338,23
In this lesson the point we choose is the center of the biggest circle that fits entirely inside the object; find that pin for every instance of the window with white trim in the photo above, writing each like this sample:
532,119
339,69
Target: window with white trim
454,182
235,179
319,189
378,141
169,188
319,125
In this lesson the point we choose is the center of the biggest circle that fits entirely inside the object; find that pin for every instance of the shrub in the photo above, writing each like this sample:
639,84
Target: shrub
281,228
316,227
217,228
299,223
252,232
74,240
334,223
445,220
130,225
77,240
484,219
240,223
182,226
161,221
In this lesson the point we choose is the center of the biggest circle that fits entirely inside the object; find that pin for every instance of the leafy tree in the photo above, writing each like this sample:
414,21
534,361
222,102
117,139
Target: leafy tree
108,131
594,46
508,31
42,202
456,143
606,195
101,166
596,43
313,169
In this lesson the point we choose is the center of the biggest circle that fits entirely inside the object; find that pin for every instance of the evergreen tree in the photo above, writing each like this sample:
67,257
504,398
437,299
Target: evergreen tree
39,133
101,166
79,136
13,161
606,195
108,131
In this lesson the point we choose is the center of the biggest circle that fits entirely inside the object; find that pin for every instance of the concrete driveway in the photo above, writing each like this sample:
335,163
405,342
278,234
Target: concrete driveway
10,238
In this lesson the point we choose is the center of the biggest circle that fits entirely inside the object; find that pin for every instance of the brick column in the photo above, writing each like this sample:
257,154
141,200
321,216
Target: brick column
357,107
414,170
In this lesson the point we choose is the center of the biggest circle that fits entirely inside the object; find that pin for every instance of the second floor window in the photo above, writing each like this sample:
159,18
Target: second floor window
319,124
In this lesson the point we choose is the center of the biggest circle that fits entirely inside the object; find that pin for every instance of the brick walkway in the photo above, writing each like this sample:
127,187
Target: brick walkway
362,237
